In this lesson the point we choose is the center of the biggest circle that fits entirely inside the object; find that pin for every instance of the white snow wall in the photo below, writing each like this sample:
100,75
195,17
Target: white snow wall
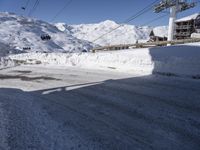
183,60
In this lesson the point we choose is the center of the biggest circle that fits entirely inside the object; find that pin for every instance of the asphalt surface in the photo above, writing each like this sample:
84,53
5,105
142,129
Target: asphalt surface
70,108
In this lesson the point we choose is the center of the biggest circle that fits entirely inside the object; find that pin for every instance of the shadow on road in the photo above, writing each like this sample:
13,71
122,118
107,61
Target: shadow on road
143,112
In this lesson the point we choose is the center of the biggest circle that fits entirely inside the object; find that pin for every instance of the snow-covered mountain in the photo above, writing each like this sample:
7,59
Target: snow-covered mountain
19,32
126,34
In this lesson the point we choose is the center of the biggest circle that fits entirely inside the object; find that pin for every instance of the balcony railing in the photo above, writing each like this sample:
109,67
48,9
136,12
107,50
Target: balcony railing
185,27
183,34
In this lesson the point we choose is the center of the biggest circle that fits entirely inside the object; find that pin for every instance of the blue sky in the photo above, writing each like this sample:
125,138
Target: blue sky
90,11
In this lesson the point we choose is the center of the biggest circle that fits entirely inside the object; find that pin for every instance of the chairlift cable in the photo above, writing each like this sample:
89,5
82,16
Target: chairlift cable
34,7
61,10
155,19
141,12
27,2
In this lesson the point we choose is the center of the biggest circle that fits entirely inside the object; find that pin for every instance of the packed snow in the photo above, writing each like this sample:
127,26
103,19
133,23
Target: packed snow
126,34
45,108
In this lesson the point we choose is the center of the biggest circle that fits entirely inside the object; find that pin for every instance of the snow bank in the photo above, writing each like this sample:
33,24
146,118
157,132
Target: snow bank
182,60
138,61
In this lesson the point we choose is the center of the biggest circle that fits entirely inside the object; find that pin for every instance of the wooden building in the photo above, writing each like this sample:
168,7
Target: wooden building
156,37
187,25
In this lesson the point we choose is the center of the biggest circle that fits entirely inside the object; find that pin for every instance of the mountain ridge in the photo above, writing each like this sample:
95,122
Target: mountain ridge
21,32
126,34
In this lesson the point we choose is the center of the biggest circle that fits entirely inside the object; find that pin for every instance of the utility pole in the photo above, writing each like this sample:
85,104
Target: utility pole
175,7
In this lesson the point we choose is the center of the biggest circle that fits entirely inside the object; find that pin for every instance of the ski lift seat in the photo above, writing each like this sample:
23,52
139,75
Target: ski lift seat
26,48
45,37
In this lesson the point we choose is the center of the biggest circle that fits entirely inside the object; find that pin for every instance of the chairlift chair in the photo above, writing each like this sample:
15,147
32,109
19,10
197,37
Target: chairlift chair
26,48
45,37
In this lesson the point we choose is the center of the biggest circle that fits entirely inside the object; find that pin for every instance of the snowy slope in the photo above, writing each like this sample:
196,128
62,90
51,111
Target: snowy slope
126,34
18,32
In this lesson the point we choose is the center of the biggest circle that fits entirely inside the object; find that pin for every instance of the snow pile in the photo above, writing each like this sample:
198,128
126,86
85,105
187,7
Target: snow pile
182,60
138,61
126,34
20,32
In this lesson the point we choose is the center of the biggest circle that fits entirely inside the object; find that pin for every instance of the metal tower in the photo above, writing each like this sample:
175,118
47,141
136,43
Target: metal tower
175,7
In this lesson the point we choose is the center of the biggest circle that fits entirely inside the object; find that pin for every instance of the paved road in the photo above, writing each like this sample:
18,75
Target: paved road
61,109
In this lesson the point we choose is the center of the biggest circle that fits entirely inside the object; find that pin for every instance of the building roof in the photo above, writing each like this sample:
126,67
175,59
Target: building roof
191,17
